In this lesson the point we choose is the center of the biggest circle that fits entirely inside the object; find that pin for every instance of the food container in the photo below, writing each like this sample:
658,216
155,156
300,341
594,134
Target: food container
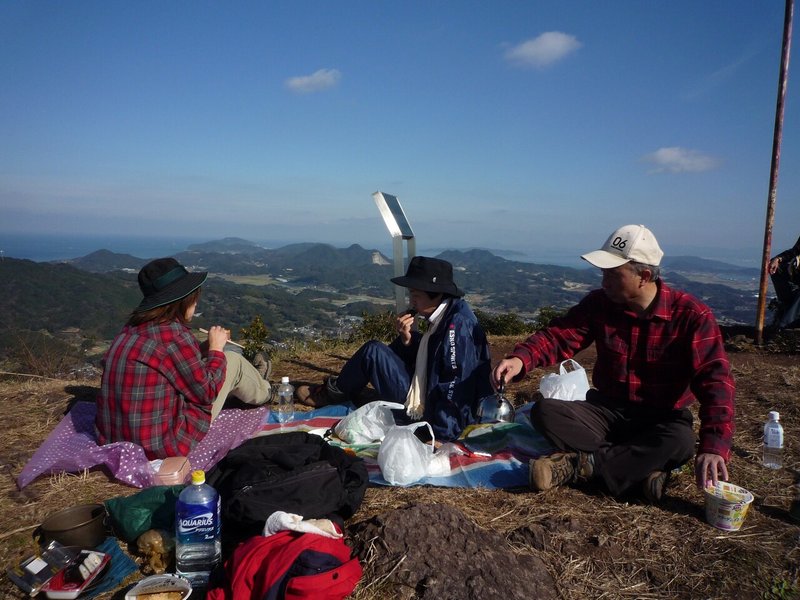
32,573
727,505
83,526
167,584
78,577
174,470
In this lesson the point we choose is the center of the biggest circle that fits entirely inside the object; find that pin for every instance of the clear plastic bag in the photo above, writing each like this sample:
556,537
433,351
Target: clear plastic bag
368,423
566,384
402,457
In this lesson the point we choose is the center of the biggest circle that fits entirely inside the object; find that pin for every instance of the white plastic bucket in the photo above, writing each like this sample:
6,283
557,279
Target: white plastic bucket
727,505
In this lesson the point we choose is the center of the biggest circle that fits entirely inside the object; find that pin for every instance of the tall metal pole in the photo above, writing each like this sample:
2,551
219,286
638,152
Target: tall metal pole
773,176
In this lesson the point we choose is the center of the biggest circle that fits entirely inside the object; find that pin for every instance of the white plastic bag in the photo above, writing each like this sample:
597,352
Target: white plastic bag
368,423
439,465
402,457
565,385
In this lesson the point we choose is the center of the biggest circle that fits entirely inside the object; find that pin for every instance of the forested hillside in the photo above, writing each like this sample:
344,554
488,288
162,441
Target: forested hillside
52,297
311,290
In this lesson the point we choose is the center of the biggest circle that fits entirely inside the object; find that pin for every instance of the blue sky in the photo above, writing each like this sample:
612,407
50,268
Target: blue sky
530,126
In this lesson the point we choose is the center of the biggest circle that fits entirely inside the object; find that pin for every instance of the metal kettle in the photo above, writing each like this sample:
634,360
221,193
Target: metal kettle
495,408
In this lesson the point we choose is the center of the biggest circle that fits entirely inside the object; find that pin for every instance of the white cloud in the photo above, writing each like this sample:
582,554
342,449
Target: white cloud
316,82
543,50
680,160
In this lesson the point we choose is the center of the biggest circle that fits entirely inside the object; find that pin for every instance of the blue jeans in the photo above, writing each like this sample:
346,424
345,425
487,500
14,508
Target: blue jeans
377,364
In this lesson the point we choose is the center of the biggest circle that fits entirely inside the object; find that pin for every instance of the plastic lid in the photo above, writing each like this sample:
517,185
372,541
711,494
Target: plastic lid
198,477
284,380
774,415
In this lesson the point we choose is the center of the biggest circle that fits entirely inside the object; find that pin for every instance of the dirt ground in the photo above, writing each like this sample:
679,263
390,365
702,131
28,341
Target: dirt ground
424,542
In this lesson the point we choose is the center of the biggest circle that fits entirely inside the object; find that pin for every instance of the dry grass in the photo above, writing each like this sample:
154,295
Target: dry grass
593,546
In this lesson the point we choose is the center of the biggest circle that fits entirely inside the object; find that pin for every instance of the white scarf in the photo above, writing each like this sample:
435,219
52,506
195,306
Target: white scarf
415,399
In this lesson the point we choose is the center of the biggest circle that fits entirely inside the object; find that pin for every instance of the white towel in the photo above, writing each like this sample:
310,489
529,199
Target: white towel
281,521
415,399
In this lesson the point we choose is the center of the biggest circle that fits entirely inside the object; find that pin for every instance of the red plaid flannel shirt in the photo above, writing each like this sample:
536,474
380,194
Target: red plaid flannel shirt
157,390
666,360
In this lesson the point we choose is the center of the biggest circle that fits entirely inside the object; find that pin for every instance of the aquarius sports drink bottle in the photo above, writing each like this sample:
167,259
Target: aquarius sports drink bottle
198,545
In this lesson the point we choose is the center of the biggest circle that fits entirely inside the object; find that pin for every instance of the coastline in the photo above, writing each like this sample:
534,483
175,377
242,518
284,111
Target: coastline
58,247
55,247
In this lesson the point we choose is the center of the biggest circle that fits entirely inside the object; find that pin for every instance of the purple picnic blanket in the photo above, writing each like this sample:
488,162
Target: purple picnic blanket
72,447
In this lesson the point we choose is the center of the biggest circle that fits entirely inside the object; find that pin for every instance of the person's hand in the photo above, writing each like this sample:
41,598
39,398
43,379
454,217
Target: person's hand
403,324
218,337
773,265
506,370
709,469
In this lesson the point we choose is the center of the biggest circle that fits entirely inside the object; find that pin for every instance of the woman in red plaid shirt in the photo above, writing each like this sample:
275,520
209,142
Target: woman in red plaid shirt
161,389
658,350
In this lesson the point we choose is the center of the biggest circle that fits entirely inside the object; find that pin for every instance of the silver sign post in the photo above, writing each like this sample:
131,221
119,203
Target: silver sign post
400,229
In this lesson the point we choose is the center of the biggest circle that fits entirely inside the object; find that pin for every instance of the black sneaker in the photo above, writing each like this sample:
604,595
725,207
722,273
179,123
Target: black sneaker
334,393
320,394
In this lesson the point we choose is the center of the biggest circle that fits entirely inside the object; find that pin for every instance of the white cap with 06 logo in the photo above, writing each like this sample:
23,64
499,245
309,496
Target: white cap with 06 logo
628,243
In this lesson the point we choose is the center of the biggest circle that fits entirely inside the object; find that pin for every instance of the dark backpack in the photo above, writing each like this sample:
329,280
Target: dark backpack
295,472
289,566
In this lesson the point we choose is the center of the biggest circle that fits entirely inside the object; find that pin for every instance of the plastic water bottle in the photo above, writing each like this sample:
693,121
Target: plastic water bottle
198,545
285,408
773,441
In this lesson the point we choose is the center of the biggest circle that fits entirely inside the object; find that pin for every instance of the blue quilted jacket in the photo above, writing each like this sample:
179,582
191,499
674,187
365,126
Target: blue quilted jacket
459,366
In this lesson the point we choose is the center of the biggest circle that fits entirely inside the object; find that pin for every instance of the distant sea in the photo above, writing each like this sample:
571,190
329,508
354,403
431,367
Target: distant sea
43,248
55,247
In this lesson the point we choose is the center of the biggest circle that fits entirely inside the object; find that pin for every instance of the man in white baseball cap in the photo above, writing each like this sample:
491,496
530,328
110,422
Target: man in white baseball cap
658,350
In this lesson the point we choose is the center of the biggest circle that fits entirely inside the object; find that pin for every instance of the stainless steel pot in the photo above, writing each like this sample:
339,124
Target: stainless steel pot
495,409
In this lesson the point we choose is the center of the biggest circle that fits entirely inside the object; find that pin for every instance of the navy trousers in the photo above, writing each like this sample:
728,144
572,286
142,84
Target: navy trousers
377,364
788,293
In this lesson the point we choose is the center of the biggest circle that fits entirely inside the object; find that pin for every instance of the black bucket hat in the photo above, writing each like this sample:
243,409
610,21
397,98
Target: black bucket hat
165,280
429,275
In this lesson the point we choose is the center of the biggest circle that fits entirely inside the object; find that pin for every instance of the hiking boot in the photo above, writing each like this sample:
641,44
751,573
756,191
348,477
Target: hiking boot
560,468
263,365
321,394
311,395
654,485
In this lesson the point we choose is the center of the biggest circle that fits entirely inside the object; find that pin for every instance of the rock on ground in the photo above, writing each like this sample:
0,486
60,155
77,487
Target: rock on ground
447,556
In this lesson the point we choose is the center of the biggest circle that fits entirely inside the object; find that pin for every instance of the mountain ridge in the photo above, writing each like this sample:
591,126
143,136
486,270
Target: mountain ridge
235,245
312,289
502,284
